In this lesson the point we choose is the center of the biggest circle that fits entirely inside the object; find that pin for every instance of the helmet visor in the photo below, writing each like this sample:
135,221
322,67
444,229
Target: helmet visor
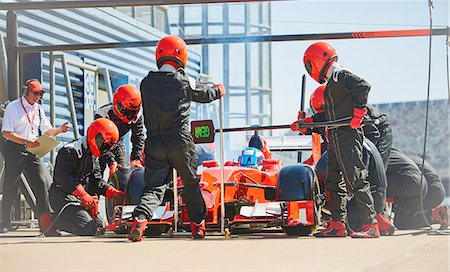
102,144
129,114
308,67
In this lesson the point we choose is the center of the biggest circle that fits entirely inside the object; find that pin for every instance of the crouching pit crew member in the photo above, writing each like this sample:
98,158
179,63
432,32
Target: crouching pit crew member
166,97
345,96
408,189
76,166
23,122
125,112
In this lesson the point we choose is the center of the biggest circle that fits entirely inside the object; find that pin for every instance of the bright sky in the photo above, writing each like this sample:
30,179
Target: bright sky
397,68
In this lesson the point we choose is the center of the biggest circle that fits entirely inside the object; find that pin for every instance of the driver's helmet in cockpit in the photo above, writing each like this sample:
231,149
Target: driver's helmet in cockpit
251,157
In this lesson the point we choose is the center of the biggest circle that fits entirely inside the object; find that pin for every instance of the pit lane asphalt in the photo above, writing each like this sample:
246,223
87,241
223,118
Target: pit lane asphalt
405,251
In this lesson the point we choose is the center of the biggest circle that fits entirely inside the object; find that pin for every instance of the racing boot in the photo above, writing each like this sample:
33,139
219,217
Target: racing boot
385,225
198,230
47,225
367,231
137,230
332,229
440,215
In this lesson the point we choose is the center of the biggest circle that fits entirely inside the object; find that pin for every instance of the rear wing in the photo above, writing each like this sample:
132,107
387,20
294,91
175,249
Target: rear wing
289,143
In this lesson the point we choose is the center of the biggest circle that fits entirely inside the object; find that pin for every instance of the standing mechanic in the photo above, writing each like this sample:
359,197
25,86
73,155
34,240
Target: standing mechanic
345,95
23,122
371,157
125,112
166,96
76,166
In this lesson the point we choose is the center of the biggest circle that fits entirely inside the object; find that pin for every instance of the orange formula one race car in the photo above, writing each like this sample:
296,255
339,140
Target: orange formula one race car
258,192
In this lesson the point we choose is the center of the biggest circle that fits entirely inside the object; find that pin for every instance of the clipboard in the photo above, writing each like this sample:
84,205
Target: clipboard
47,144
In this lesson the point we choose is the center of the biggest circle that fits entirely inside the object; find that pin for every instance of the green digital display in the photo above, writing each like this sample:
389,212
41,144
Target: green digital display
203,131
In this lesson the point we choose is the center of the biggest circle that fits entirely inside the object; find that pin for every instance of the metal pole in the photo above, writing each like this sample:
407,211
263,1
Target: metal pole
41,5
226,67
52,100
448,75
337,123
302,108
107,79
270,64
96,90
3,70
73,115
245,39
222,186
175,199
205,33
12,43
247,65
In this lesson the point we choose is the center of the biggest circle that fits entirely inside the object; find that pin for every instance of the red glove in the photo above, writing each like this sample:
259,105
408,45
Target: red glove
221,88
296,125
93,209
136,164
301,115
358,115
86,199
111,192
113,167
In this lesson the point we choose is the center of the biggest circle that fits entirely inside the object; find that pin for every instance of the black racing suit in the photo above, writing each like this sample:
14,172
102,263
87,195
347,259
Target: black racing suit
166,104
345,168
75,165
381,134
407,187
378,183
376,177
117,153
436,191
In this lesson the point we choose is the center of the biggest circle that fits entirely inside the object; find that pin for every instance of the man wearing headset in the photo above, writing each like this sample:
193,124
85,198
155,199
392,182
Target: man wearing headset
23,122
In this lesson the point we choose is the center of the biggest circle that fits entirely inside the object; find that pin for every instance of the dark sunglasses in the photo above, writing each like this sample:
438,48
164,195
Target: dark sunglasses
41,94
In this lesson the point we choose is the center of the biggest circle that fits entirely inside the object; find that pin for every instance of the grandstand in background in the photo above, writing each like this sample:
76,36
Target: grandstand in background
408,123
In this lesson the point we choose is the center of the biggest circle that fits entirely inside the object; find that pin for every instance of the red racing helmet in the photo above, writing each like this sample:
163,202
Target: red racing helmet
317,100
317,59
127,103
171,49
102,134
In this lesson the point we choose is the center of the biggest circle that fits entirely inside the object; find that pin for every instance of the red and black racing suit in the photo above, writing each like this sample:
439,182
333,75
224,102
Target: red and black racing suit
344,92
117,152
166,105
75,165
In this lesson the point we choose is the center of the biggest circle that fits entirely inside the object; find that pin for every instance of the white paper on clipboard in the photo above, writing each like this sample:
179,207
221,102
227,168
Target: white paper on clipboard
46,144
